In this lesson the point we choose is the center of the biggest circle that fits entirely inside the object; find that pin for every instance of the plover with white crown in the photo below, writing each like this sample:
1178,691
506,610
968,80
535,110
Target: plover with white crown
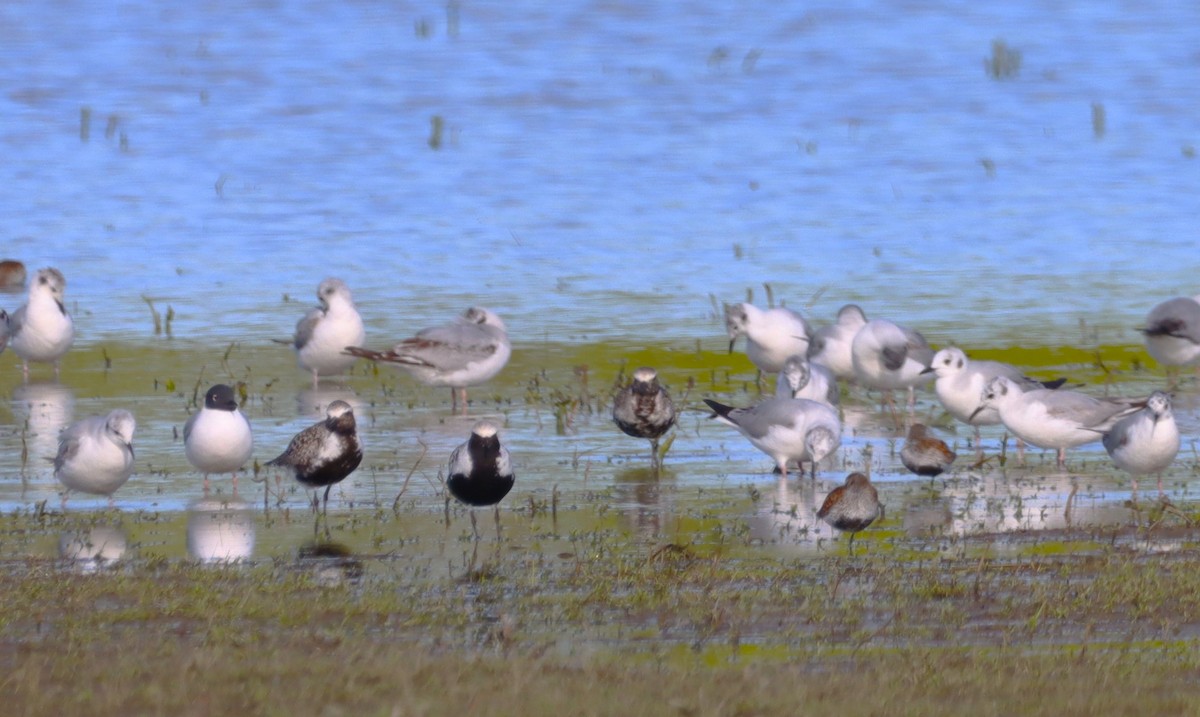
480,471
325,453
95,455
466,352
41,330
644,409
217,438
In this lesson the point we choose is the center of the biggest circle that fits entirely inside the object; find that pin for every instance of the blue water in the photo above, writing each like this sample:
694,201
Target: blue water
601,158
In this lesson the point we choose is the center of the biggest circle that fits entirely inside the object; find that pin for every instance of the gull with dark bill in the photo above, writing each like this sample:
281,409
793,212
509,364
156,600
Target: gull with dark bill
802,378
1145,442
217,438
41,330
467,352
772,335
831,345
960,382
852,507
95,455
1047,418
323,454
888,357
325,331
1172,332
786,429
643,409
480,471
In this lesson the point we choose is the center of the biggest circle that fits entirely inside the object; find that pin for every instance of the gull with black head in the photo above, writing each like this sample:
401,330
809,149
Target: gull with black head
217,438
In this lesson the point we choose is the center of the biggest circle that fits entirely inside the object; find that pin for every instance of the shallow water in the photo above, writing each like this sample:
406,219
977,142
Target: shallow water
603,173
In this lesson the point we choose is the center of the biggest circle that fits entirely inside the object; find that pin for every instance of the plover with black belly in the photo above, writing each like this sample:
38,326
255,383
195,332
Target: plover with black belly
323,454
643,409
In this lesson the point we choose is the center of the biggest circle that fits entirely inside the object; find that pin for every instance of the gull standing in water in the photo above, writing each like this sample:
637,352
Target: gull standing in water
802,378
888,357
852,507
1046,418
786,429
467,352
1147,441
831,345
217,438
960,382
772,335
95,455
42,330
643,409
481,471
325,331
323,454
1172,332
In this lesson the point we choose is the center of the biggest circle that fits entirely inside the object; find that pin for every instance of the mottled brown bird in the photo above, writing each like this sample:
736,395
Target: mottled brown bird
924,454
643,409
853,506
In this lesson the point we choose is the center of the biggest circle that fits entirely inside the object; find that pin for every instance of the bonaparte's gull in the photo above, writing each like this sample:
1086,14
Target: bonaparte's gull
802,378
772,335
831,345
1146,441
325,331
1172,332
217,438
95,455
467,352
41,330
795,429
960,382
887,357
1046,418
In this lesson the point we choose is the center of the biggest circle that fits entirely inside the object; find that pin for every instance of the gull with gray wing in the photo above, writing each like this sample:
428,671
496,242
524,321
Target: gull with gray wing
325,331
95,455
467,352
786,429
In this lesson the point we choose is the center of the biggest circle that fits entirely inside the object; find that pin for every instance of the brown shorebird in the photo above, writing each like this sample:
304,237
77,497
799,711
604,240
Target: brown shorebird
852,507
925,454
643,409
